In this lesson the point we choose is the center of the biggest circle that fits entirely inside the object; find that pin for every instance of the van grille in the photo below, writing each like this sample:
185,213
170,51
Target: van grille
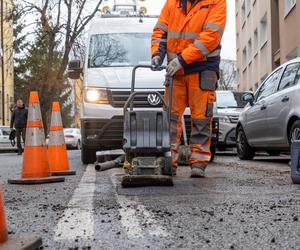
118,98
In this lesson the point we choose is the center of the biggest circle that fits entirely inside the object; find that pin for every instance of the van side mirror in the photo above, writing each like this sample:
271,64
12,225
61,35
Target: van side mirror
248,97
74,69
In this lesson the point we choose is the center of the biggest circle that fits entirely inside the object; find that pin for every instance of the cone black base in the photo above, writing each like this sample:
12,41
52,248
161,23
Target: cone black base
62,173
22,242
32,181
146,180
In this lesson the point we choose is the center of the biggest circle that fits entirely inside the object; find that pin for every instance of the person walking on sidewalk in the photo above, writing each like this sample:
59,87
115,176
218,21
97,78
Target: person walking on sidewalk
19,121
189,32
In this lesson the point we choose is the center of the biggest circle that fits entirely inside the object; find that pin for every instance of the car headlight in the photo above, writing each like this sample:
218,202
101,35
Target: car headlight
224,119
98,96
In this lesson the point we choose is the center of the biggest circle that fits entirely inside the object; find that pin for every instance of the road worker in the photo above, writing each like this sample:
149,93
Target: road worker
189,33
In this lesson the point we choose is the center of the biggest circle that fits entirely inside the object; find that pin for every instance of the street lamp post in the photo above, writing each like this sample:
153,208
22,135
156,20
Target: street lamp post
2,63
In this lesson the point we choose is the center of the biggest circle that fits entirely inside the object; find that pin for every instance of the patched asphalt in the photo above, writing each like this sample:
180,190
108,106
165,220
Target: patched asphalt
240,205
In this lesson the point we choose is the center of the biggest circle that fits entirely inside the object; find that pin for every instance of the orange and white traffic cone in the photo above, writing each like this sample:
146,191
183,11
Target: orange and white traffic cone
3,226
36,168
57,150
25,241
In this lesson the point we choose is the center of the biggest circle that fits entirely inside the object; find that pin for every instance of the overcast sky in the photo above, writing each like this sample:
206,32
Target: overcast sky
228,42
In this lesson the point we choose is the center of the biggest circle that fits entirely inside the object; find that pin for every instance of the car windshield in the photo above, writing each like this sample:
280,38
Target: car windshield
119,50
5,131
230,100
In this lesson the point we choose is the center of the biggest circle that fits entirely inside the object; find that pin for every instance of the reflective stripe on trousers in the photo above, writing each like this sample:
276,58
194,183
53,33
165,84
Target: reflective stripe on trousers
187,91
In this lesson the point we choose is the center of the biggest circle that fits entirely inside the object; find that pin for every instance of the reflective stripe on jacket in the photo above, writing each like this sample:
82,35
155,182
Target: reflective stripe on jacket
193,32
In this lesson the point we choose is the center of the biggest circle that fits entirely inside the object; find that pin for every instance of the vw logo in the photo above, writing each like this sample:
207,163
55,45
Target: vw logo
153,99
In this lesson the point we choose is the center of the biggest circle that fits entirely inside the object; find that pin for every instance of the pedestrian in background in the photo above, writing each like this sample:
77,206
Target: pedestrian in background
18,122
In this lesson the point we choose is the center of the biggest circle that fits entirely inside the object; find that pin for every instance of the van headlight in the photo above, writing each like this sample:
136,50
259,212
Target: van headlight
94,95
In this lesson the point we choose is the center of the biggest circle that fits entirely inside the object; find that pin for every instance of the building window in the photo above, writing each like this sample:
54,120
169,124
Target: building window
249,50
289,5
253,2
244,59
256,86
237,41
243,14
263,30
255,42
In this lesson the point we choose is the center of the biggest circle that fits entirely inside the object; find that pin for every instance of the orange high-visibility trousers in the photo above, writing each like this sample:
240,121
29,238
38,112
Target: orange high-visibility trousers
196,90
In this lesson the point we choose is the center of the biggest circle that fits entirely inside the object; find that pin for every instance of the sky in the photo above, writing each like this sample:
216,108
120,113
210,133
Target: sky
228,42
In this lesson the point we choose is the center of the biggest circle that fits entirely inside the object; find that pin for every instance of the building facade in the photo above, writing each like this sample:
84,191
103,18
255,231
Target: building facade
267,36
7,69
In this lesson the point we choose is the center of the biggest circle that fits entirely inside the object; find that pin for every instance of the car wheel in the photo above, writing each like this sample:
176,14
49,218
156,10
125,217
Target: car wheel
88,155
273,152
295,132
244,150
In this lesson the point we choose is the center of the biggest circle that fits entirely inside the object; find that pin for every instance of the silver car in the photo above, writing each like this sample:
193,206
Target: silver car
228,107
271,119
5,143
72,137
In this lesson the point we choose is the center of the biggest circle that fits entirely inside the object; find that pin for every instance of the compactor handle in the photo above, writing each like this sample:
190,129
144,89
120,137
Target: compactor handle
145,67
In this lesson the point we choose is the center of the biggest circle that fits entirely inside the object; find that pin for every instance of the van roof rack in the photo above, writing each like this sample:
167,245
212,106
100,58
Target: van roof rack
112,15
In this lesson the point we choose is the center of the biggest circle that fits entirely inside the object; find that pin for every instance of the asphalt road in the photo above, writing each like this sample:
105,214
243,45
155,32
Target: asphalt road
240,205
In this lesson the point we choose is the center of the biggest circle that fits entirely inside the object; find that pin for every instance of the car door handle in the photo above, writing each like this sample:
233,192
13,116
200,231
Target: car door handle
263,107
285,99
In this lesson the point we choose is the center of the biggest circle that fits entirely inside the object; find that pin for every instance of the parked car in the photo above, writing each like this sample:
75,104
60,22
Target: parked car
72,137
229,105
271,120
5,143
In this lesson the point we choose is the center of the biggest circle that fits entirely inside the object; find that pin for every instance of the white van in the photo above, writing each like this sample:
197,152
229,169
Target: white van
116,43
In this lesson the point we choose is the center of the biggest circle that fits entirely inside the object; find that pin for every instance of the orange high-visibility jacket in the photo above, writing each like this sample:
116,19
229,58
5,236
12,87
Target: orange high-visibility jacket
193,32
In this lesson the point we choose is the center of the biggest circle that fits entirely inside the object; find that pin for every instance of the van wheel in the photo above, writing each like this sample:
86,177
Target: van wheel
295,132
88,155
244,150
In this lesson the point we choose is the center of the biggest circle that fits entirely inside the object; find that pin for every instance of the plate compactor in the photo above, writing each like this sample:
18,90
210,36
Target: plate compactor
147,146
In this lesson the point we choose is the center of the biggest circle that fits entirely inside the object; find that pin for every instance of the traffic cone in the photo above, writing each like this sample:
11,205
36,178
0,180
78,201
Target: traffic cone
25,241
36,168
57,150
3,227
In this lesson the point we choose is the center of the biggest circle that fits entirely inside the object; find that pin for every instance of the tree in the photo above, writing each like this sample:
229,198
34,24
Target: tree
34,80
228,75
58,25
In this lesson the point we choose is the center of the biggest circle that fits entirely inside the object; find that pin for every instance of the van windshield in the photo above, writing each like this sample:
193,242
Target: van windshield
230,100
119,50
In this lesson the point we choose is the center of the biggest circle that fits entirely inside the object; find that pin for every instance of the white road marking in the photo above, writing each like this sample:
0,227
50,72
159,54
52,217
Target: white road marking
77,220
133,214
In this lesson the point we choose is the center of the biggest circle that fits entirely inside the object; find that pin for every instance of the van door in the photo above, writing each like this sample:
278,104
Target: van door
256,127
279,107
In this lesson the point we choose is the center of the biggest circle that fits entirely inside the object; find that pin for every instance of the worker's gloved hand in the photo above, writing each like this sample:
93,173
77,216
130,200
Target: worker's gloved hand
173,67
156,62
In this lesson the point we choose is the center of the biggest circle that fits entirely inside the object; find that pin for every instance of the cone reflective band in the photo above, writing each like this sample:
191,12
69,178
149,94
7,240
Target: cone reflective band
36,169
3,226
57,151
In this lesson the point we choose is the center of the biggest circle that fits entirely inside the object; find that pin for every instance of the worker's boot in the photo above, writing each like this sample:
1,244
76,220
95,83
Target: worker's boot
198,170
